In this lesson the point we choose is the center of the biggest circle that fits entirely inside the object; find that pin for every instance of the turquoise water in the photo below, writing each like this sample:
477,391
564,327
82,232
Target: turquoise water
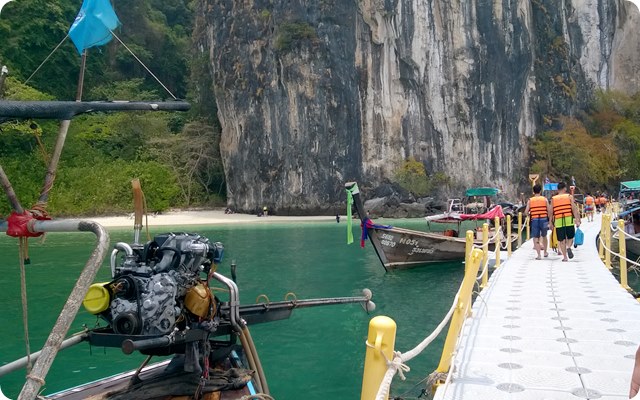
318,353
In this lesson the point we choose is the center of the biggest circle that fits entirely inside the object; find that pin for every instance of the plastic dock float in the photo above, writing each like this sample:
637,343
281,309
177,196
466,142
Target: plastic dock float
546,330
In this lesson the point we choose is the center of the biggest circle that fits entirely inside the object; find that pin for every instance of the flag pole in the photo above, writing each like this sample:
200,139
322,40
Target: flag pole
62,136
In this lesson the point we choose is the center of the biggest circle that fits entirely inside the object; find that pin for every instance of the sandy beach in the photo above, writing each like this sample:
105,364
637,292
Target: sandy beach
204,217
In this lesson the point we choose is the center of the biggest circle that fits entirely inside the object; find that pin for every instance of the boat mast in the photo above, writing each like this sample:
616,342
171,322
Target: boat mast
62,136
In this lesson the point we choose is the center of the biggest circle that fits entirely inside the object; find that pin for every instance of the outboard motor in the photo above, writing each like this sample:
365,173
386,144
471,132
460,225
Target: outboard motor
158,285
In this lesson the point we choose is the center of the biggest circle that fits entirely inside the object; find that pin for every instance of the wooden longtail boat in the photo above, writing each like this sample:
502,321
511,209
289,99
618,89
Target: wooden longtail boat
405,248
158,300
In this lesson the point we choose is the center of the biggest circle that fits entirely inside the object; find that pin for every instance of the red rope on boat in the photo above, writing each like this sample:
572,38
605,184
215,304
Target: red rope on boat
19,225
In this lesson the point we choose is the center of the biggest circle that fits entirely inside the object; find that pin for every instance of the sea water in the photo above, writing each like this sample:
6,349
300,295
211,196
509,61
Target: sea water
318,353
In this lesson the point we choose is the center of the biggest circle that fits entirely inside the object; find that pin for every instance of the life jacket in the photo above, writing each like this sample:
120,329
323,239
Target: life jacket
588,201
603,201
562,206
538,207
597,201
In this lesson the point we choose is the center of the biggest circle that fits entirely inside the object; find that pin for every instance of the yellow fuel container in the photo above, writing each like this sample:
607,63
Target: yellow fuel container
198,300
97,298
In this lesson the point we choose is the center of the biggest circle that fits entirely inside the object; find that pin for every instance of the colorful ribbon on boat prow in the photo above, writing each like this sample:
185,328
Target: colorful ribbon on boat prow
19,225
367,224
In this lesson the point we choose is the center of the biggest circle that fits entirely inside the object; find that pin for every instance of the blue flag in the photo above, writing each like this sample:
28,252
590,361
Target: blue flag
93,24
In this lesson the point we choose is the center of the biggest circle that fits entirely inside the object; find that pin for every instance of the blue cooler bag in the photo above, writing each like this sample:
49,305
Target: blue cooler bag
579,238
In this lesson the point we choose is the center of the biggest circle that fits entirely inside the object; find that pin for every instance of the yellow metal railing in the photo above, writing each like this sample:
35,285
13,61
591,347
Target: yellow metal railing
461,311
519,229
382,363
497,242
485,257
604,244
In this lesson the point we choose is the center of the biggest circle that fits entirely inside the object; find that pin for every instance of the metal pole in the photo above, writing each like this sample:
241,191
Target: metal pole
468,248
485,255
622,246
519,229
22,362
601,237
497,242
508,235
35,380
62,137
607,255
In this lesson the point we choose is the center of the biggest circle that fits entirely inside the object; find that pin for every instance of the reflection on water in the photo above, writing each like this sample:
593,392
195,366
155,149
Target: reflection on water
318,352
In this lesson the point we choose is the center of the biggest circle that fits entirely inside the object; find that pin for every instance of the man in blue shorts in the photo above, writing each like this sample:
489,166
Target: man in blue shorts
538,212
564,213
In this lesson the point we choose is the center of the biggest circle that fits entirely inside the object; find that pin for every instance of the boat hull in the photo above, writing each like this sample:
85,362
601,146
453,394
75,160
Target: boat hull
405,248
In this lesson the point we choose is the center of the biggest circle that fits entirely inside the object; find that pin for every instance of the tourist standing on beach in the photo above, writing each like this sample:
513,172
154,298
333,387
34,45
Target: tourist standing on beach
538,211
564,214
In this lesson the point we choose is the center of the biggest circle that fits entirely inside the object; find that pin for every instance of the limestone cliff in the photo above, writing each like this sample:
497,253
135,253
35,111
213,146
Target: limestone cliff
311,93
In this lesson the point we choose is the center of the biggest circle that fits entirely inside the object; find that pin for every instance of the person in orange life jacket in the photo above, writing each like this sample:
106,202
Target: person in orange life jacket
538,211
563,215
589,203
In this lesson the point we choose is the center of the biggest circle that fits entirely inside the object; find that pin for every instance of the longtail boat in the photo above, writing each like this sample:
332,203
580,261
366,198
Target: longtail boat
158,300
404,248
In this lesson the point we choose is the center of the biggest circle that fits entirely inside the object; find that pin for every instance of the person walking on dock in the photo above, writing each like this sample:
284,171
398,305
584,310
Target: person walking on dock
589,203
564,214
538,211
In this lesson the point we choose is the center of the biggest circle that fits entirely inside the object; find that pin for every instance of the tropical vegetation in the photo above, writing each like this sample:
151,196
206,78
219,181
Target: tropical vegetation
598,147
175,156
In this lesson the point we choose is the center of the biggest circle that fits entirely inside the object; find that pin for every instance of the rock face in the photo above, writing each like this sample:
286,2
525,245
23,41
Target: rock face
312,93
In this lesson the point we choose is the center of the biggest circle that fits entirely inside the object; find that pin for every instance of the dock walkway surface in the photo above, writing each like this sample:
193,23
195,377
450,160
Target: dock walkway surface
547,329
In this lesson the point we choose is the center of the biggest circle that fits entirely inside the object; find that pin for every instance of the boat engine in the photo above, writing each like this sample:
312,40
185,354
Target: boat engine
157,285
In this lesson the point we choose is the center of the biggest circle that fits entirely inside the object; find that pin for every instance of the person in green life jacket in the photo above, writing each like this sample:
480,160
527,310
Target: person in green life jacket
564,214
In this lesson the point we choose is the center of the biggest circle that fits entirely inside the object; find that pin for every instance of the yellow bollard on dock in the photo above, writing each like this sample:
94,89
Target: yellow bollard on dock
607,242
497,242
527,222
601,237
519,229
381,339
468,248
485,256
508,235
622,245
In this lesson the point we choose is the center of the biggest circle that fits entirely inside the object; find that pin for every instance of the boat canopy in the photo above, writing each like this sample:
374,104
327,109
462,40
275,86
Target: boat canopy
629,185
482,191
458,217
627,212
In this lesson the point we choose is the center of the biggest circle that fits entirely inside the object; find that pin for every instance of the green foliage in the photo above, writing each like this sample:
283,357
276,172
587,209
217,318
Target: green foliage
412,176
573,151
294,34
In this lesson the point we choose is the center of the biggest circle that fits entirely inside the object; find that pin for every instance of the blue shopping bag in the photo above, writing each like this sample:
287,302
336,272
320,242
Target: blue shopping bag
579,238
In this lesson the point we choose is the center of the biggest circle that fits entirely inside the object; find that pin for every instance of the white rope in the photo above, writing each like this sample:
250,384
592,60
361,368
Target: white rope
627,235
617,254
46,59
398,363
141,63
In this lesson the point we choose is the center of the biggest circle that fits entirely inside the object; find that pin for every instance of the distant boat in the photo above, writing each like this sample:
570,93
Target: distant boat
405,248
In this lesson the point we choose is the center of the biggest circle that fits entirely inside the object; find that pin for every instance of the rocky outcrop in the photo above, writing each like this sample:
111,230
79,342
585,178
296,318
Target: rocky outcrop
313,93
